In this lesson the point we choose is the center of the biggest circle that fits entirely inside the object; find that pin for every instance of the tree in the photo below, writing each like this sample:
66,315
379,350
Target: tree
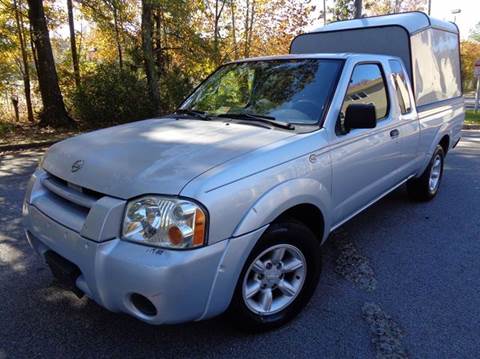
382,7
234,28
343,10
116,23
249,21
219,5
147,46
54,113
73,44
358,9
111,18
26,71
470,53
475,33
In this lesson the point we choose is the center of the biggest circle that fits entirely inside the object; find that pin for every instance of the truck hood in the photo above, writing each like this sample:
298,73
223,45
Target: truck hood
153,156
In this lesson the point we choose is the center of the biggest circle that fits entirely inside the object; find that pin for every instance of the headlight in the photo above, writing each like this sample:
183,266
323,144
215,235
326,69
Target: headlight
164,222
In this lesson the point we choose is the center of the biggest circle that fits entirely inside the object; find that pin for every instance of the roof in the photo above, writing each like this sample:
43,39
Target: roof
296,56
333,56
413,22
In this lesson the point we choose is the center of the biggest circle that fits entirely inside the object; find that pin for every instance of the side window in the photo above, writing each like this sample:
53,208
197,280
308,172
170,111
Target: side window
367,86
401,86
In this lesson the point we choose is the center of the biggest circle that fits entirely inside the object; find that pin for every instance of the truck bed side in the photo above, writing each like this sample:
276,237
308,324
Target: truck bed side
440,123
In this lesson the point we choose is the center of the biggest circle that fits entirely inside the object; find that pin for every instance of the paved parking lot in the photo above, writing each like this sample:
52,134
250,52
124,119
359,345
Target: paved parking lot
400,280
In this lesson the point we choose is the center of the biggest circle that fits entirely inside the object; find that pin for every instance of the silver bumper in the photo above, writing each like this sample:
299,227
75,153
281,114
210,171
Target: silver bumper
182,285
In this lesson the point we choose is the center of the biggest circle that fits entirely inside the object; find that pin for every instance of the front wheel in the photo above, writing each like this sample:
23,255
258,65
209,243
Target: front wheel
425,187
278,278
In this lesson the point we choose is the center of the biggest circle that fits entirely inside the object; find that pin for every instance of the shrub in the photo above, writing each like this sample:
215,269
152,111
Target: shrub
6,128
174,87
109,96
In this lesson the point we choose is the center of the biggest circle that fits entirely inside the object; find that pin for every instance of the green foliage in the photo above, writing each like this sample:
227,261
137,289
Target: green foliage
109,96
470,53
475,33
343,10
6,128
472,118
9,73
174,87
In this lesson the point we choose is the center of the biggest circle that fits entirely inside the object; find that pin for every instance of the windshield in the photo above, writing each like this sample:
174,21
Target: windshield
292,91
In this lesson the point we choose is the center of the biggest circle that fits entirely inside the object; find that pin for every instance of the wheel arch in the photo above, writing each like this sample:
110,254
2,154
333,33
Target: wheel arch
445,143
305,200
307,214
441,138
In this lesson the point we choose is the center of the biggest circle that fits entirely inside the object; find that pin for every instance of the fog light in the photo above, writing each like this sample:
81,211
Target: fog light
143,305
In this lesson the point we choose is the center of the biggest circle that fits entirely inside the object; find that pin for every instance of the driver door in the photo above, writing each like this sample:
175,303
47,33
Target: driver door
364,160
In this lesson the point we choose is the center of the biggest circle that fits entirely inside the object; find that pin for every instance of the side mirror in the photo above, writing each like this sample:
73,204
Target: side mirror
360,116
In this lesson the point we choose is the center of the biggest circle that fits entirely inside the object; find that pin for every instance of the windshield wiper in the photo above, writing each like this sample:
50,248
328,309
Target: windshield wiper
194,113
258,118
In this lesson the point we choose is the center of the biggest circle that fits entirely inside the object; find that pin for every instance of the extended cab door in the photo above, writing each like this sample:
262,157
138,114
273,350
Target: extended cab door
407,118
366,163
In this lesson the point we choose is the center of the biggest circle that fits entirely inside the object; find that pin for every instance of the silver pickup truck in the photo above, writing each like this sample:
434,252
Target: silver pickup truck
223,205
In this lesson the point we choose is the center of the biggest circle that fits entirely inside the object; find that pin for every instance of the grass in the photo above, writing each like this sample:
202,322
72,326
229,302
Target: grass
472,118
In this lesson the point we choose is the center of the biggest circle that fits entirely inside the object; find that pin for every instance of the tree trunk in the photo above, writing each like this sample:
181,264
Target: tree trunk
34,50
247,16
73,43
216,30
117,34
15,108
234,30
358,9
324,13
250,28
158,42
147,30
54,113
26,72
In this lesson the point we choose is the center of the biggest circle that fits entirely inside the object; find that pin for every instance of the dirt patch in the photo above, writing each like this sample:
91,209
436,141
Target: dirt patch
22,134
386,333
351,264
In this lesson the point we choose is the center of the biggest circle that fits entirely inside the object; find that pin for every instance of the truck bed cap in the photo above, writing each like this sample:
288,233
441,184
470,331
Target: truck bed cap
413,22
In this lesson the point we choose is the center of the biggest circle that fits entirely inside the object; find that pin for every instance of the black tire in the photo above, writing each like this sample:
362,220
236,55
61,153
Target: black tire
291,233
419,189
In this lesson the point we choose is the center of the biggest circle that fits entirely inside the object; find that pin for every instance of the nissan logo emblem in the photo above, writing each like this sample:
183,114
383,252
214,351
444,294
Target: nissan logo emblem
77,165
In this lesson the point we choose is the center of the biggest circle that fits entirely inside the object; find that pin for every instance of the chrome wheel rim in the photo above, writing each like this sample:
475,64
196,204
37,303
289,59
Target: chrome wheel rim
274,279
435,174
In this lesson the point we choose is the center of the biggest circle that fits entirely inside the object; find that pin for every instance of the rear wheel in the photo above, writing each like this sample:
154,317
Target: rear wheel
425,187
278,278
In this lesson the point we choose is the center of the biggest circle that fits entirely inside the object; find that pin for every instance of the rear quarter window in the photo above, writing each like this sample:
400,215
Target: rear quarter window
401,86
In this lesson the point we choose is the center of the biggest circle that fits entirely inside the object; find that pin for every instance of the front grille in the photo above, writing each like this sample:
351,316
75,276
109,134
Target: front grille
66,203
71,193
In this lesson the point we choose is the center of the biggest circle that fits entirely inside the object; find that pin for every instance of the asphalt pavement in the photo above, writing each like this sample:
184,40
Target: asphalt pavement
402,279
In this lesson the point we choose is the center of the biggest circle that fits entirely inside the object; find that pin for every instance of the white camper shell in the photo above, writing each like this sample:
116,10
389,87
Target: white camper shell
428,47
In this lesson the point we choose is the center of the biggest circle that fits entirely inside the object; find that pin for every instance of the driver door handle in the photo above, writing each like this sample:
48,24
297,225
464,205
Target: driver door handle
394,133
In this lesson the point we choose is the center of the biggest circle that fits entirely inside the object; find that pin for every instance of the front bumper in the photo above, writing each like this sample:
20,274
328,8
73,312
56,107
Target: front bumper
182,285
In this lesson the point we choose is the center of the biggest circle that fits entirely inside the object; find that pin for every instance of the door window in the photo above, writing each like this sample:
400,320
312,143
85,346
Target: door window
367,86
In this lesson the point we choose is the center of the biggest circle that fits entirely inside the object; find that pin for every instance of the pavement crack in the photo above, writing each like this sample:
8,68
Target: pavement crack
386,333
352,265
